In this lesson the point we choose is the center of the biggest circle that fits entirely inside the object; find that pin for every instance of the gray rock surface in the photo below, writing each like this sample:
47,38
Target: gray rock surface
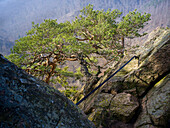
156,106
154,61
134,83
30,103
123,106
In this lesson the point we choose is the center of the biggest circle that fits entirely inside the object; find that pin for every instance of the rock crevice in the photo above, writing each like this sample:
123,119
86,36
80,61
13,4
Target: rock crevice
132,85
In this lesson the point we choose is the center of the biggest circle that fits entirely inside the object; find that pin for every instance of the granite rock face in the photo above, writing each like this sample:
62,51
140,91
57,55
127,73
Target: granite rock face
30,103
124,97
156,106
154,61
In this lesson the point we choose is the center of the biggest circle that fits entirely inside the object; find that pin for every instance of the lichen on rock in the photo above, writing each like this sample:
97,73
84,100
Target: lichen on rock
27,102
123,106
119,100
156,106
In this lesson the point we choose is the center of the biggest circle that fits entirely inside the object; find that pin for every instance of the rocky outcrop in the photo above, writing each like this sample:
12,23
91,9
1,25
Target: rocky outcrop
124,99
156,106
28,102
154,62
119,107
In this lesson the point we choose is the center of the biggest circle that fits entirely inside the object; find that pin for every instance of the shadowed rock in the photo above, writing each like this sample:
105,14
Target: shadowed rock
121,96
156,106
30,103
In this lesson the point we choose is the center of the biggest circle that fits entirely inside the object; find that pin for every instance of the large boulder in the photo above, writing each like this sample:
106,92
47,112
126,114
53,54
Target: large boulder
123,106
27,102
113,107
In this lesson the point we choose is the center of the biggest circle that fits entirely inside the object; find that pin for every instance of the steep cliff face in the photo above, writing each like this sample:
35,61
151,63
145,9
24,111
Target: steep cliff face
156,106
136,92
28,102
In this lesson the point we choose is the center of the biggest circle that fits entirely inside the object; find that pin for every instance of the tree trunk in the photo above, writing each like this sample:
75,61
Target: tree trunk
47,79
123,41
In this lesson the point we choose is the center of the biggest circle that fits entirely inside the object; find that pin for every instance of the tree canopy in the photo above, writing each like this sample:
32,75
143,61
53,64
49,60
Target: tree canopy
92,35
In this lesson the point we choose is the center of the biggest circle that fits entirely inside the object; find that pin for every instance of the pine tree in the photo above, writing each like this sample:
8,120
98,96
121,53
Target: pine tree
92,35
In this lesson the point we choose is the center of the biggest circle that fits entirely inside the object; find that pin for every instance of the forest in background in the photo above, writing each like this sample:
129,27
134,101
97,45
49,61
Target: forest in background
16,16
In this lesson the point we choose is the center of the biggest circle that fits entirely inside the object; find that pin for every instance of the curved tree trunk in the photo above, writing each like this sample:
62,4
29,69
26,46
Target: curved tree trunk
47,79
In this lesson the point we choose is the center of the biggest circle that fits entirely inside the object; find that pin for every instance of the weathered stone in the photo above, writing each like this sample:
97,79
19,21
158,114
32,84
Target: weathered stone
97,116
103,119
103,100
155,39
123,106
100,108
154,63
156,106
114,84
28,102
87,104
136,80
